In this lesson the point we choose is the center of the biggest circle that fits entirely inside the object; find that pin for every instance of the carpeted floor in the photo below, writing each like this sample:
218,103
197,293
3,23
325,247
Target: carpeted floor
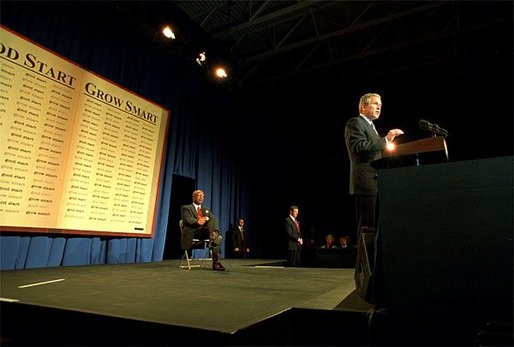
256,302
248,292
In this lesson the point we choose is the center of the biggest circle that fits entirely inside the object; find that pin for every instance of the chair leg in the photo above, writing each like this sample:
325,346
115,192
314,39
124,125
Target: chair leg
180,266
188,261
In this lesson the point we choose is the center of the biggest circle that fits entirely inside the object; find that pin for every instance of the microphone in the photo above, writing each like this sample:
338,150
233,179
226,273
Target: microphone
433,128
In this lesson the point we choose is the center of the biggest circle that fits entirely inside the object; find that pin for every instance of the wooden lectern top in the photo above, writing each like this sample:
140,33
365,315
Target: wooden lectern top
430,144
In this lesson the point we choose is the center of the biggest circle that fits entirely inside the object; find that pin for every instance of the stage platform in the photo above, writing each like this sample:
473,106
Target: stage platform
254,302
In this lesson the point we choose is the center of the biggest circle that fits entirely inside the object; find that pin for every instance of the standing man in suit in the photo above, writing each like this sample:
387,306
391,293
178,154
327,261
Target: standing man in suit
294,237
240,240
199,223
364,146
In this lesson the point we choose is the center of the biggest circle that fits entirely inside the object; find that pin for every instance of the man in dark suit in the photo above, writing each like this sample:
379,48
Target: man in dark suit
364,146
294,237
240,239
199,223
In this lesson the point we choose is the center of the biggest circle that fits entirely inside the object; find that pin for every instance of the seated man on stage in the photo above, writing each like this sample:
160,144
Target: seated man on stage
200,223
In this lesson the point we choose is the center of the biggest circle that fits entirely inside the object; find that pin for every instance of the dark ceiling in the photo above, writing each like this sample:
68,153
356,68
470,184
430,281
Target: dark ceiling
298,68
299,46
296,59
290,48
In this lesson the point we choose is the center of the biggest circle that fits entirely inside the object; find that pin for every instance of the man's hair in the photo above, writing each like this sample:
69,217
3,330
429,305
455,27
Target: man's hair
294,207
197,192
366,98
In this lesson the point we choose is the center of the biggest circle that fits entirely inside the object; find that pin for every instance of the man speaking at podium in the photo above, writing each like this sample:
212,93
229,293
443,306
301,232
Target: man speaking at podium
365,145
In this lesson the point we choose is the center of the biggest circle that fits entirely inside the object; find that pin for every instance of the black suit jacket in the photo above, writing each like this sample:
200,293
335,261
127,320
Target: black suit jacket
238,240
293,234
190,226
364,146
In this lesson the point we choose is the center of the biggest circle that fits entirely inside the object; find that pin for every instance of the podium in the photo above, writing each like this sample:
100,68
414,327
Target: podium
446,239
367,277
430,144
433,149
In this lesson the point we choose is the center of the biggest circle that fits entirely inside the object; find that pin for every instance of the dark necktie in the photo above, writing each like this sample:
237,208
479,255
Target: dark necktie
375,129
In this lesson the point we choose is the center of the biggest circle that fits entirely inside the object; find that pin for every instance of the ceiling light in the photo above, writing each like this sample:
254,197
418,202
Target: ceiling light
201,58
166,31
220,72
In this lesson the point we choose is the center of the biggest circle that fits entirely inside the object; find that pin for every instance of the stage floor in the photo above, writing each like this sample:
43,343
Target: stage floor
250,291
256,302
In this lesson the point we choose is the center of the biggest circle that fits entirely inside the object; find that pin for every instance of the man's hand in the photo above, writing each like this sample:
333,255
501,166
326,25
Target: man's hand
202,220
393,133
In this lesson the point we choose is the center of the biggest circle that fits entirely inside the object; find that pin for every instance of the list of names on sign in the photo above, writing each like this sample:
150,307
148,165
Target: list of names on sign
78,153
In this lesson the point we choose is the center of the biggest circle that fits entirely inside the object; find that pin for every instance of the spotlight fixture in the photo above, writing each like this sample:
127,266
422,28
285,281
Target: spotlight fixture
201,58
168,32
220,72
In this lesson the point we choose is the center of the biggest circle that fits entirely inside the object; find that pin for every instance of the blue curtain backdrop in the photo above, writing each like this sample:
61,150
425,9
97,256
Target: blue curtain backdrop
98,37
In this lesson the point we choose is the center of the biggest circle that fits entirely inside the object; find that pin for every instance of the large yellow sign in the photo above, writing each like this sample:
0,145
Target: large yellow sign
78,154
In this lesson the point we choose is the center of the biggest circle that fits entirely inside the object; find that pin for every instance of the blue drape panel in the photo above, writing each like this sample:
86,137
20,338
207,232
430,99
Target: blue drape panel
39,252
10,246
77,251
56,251
98,251
97,37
